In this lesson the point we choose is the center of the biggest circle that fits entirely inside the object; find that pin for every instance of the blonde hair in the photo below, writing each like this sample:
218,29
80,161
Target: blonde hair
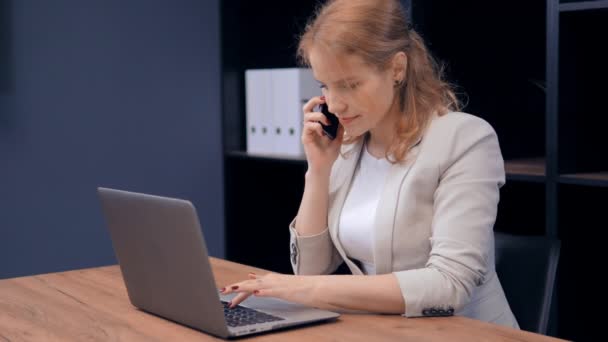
376,31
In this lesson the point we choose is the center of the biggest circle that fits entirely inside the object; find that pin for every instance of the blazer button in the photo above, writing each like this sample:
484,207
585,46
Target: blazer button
294,253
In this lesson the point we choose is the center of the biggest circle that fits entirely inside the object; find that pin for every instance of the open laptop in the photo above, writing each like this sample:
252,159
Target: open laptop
163,258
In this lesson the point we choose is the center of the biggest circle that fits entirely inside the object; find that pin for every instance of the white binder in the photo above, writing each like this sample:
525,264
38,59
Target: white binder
308,88
266,113
282,89
258,95
293,87
274,109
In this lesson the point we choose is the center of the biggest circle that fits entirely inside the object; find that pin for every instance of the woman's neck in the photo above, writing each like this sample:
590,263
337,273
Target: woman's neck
381,137
375,147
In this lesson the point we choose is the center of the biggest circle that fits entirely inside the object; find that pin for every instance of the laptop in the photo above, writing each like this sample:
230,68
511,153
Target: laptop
163,258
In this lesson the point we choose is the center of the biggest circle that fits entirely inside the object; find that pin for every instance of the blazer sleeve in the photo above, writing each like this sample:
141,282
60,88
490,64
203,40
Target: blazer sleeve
465,206
313,255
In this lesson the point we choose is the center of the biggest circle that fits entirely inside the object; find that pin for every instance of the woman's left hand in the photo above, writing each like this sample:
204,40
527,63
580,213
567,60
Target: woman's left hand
297,289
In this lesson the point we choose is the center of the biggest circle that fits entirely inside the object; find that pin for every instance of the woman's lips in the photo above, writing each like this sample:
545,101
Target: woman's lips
346,121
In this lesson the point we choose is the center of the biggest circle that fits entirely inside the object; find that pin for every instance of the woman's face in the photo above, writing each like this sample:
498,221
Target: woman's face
361,96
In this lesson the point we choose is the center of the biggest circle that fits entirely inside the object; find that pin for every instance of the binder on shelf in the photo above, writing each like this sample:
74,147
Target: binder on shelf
299,86
258,105
281,80
266,114
274,109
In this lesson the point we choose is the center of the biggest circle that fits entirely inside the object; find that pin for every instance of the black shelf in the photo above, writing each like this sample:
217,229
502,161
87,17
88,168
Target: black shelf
528,170
576,122
587,179
266,157
583,5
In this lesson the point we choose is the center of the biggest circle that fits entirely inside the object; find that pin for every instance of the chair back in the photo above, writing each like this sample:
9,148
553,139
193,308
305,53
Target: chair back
526,267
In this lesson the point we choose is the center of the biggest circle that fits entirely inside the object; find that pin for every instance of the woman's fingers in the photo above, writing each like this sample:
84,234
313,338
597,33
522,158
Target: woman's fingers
243,286
269,292
238,299
316,117
232,288
256,285
317,100
312,128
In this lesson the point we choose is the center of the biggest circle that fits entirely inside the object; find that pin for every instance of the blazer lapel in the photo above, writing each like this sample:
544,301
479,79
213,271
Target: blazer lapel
385,213
384,222
346,174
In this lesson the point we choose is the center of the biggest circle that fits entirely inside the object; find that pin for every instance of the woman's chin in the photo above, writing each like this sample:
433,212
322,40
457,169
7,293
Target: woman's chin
354,132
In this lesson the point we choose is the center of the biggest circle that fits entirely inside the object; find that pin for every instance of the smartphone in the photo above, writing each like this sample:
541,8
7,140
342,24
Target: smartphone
330,130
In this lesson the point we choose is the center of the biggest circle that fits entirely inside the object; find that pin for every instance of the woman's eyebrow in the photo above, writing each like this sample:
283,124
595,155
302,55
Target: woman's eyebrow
344,80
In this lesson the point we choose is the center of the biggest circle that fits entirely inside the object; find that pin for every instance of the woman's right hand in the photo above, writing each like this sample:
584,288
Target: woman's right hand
321,152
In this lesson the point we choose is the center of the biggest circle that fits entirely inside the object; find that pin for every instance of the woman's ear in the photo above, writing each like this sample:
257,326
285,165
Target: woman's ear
399,66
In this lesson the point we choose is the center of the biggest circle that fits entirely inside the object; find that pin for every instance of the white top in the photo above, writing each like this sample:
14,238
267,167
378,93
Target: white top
356,227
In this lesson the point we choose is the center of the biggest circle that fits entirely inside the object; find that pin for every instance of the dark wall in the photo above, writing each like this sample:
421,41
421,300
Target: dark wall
103,93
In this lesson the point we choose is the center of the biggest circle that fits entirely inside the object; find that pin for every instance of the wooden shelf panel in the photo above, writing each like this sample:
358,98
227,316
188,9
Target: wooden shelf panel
529,169
583,5
589,179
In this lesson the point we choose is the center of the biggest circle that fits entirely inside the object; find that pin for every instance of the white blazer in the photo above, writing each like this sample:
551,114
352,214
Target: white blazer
433,225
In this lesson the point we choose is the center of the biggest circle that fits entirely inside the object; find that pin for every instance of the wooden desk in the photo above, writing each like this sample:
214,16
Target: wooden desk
92,305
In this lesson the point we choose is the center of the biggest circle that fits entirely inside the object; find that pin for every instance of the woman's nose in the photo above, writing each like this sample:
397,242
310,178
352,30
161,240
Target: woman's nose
335,105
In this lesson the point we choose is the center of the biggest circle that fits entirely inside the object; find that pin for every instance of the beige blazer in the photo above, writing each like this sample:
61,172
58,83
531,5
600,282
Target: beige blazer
433,225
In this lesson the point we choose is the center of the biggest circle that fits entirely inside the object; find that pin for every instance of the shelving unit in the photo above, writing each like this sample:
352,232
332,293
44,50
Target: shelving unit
579,176
533,69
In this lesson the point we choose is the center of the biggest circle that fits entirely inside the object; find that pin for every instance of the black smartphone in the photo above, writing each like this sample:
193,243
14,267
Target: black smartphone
330,130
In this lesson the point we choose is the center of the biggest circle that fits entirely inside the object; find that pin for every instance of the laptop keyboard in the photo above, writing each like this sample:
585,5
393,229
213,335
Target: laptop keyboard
240,316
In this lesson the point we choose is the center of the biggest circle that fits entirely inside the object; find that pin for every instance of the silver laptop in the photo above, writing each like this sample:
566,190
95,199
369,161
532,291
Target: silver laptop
163,258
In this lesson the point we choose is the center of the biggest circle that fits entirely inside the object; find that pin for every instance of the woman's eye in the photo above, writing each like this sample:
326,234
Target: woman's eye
344,86
349,86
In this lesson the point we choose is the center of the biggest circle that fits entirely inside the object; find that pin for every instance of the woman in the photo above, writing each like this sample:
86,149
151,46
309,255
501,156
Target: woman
407,193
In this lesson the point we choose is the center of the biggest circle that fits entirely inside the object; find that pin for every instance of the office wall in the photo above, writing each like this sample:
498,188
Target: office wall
103,93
